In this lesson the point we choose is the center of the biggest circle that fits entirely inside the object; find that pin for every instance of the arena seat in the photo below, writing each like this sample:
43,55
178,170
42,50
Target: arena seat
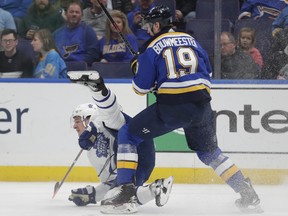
205,9
116,70
203,29
25,46
76,65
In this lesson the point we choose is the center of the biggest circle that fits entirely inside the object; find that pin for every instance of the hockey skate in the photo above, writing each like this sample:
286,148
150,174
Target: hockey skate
83,196
120,200
162,189
249,201
92,79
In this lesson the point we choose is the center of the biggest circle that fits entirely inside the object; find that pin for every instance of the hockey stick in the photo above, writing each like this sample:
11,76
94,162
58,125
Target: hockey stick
128,45
58,185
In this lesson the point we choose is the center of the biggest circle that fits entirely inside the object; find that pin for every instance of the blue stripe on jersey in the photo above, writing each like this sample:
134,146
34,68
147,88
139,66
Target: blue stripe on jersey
105,98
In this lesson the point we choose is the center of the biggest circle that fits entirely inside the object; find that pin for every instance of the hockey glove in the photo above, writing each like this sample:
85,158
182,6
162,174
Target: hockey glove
83,196
134,65
88,138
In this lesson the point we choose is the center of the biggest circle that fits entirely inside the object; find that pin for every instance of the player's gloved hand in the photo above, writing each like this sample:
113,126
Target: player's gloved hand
83,196
134,65
88,137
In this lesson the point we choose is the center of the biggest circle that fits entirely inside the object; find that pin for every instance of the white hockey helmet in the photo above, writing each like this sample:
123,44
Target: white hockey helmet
84,111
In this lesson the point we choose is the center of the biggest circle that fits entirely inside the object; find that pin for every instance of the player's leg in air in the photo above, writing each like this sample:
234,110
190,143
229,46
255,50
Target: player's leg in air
158,190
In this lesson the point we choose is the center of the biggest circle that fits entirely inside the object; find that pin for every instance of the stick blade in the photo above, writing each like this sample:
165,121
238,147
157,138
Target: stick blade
56,189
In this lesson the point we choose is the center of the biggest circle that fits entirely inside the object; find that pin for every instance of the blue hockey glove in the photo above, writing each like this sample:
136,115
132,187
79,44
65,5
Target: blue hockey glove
134,65
83,196
88,137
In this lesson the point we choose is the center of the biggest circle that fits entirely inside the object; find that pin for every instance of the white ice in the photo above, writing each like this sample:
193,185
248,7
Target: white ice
35,199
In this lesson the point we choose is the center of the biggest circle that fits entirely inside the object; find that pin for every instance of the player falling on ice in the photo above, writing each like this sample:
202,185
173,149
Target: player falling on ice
97,125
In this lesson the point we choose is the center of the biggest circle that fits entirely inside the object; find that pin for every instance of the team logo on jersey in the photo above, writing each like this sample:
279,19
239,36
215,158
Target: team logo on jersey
101,145
70,49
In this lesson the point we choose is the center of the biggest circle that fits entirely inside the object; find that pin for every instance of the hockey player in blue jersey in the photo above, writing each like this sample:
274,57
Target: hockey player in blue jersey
97,124
267,9
177,70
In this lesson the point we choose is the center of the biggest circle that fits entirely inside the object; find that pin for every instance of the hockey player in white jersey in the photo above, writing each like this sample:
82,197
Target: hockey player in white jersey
97,125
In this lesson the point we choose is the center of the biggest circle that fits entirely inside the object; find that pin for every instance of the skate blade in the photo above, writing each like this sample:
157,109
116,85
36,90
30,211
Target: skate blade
255,210
83,75
126,208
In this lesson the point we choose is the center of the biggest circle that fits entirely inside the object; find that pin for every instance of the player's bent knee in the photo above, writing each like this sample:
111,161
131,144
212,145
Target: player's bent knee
208,157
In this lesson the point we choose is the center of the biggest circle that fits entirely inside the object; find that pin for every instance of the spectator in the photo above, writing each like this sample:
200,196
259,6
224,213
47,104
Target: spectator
246,42
280,22
6,20
135,18
277,56
241,2
125,6
261,9
42,14
12,59
49,63
186,9
235,64
76,40
17,8
95,17
112,47
283,73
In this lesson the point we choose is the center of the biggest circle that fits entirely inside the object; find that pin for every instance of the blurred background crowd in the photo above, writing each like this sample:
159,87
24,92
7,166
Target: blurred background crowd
47,38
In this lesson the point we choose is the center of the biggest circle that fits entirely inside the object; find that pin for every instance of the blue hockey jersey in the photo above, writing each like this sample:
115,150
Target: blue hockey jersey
176,67
262,8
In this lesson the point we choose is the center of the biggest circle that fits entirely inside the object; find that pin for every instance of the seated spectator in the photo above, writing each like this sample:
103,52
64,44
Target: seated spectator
268,9
241,2
277,56
6,20
246,42
95,17
235,64
125,6
280,22
112,47
12,59
41,15
49,63
76,41
17,8
135,18
283,73
186,9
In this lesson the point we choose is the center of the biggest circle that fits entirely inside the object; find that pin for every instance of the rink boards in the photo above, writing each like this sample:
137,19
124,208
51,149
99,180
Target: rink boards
37,142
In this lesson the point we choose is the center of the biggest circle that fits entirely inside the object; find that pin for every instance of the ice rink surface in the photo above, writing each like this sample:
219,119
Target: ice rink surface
35,199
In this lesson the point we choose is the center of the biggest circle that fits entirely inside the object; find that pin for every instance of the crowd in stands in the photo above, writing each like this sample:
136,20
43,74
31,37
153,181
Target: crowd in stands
40,38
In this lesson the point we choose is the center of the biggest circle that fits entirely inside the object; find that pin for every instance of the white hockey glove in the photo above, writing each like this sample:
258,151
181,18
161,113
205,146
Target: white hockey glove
83,196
